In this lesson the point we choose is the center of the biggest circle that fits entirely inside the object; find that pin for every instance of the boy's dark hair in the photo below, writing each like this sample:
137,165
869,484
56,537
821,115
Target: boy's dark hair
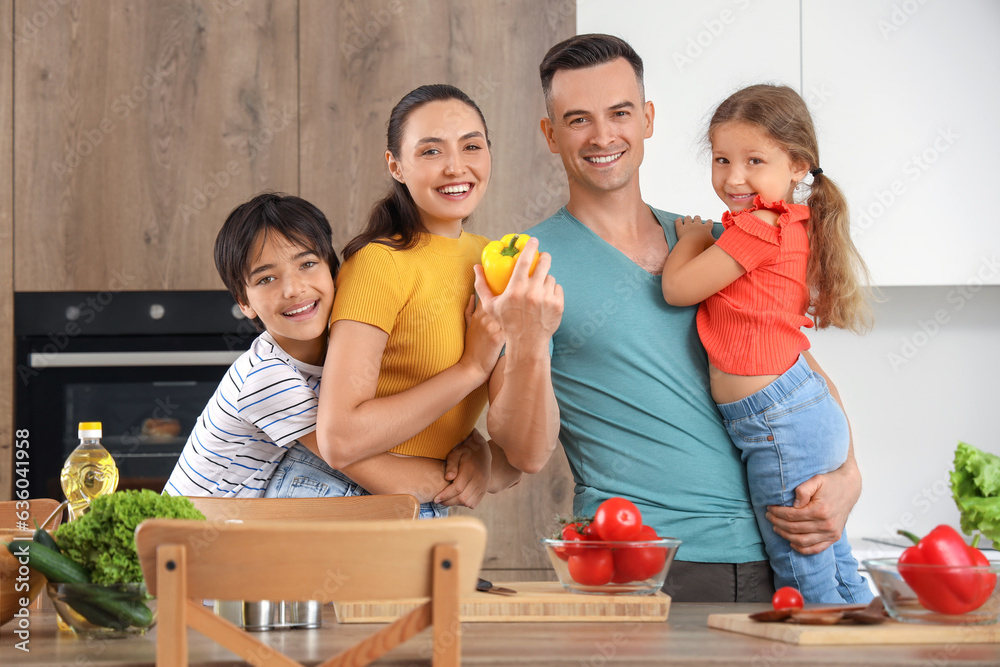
395,219
292,217
585,51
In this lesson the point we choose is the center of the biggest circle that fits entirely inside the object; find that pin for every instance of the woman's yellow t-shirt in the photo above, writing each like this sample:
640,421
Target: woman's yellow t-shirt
417,296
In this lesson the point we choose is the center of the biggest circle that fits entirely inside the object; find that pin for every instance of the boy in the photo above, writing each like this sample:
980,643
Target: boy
275,256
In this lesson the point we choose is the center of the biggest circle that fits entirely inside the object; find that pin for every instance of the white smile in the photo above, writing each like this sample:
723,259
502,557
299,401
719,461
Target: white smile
741,197
455,189
303,309
603,159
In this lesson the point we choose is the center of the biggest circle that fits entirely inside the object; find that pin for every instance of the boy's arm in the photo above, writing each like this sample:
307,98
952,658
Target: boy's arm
695,269
387,473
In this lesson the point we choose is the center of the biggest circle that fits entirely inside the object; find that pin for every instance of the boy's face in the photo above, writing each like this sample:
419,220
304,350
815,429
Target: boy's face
291,290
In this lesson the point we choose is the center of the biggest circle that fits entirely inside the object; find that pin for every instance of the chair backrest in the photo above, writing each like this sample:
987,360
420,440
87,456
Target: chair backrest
14,514
350,508
185,561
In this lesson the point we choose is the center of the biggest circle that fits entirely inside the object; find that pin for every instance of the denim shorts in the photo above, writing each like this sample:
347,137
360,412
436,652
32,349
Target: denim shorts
302,474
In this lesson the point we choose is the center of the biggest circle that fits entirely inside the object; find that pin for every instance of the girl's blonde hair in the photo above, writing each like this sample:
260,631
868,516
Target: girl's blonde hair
837,276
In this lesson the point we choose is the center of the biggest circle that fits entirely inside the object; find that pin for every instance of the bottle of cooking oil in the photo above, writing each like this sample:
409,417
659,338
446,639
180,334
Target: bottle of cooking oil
89,471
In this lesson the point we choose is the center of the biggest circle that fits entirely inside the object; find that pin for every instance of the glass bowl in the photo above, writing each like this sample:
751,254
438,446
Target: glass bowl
104,610
937,584
629,568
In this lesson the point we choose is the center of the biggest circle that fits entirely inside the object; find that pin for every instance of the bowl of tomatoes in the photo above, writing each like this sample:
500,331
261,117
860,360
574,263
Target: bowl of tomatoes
611,553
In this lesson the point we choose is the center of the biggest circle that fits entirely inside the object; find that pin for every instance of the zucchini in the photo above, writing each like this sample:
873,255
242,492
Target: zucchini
124,606
43,537
57,568
95,615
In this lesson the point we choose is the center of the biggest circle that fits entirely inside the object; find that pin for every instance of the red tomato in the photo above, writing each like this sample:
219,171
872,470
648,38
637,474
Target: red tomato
617,519
787,598
593,567
572,532
635,563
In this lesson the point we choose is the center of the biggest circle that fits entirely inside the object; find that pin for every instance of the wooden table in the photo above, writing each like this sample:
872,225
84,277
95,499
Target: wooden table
684,639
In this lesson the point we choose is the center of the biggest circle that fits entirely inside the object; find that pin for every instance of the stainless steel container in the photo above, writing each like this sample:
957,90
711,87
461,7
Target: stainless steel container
262,615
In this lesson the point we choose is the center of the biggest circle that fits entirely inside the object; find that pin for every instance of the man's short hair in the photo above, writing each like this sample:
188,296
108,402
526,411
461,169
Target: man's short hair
585,51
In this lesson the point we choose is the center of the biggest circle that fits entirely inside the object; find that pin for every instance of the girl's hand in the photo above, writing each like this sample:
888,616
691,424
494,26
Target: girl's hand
484,339
688,226
468,469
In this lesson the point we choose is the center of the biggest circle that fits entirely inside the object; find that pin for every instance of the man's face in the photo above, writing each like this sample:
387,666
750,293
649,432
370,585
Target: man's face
598,125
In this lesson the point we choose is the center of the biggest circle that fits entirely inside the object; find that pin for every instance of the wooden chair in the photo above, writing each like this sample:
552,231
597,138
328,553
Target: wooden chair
12,515
361,508
186,561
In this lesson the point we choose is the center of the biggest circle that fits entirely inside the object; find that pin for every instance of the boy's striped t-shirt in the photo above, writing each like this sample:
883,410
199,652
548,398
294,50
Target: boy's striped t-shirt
266,401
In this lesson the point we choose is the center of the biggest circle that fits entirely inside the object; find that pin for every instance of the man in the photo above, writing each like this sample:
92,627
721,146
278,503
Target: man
630,375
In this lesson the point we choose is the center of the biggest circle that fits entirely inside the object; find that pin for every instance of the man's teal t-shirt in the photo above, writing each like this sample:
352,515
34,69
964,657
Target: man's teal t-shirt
636,410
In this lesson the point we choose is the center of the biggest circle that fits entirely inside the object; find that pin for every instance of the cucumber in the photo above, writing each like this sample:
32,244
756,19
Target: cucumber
45,538
56,567
95,615
122,605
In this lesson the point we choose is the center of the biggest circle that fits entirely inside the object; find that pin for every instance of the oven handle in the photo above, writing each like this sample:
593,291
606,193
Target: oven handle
133,359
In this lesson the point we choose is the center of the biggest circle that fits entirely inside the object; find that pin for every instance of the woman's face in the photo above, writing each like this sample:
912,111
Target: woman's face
444,162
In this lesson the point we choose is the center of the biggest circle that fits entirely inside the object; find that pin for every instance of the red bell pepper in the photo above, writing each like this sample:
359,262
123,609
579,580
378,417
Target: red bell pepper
946,591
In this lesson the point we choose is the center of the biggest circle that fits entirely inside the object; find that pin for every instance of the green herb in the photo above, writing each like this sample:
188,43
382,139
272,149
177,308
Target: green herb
103,539
975,484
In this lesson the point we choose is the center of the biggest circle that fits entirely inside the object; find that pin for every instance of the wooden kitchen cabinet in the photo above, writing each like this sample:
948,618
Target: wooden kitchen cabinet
140,125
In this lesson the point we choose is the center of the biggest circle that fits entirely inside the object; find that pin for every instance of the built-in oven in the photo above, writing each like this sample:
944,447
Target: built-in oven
144,364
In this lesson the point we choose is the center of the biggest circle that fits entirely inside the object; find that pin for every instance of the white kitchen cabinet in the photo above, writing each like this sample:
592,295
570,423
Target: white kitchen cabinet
903,92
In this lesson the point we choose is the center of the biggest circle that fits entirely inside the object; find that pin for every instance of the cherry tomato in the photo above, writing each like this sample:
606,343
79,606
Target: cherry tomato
787,598
572,532
617,519
635,563
593,567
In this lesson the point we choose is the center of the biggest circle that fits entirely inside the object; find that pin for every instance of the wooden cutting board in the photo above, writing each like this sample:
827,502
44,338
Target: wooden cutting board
535,601
890,632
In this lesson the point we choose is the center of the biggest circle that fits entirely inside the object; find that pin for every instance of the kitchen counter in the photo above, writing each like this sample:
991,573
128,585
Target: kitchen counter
683,639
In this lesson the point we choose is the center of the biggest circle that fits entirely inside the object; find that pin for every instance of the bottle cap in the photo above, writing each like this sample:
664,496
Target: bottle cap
90,429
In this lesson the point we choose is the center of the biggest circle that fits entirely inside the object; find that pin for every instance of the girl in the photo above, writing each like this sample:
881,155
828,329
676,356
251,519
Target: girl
411,352
775,263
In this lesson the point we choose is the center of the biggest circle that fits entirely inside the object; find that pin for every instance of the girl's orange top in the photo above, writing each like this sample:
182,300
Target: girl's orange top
753,326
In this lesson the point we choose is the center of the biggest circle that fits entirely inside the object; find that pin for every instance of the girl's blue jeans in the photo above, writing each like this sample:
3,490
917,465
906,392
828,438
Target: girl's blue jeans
302,474
788,432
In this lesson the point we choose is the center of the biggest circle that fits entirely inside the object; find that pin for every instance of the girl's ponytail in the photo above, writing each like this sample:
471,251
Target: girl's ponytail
836,273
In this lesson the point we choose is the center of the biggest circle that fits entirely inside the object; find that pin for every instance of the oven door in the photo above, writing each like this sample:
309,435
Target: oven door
147,391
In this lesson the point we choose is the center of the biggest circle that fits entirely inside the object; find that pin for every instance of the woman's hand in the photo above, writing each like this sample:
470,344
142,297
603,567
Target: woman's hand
468,469
484,339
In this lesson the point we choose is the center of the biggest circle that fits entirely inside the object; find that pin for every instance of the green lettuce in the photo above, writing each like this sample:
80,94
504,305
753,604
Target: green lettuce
103,539
975,485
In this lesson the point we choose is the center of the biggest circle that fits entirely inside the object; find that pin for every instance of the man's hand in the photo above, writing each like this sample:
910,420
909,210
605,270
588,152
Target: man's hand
468,469
820,512
530,308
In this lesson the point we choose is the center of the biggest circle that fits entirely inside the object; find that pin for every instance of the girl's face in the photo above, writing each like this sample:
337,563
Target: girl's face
747,162
444,162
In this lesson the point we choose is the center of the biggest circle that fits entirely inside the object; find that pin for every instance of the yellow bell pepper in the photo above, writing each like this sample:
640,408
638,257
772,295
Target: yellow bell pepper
499,258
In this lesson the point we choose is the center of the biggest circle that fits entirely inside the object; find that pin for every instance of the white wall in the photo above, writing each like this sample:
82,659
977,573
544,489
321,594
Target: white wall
929,374
926,377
